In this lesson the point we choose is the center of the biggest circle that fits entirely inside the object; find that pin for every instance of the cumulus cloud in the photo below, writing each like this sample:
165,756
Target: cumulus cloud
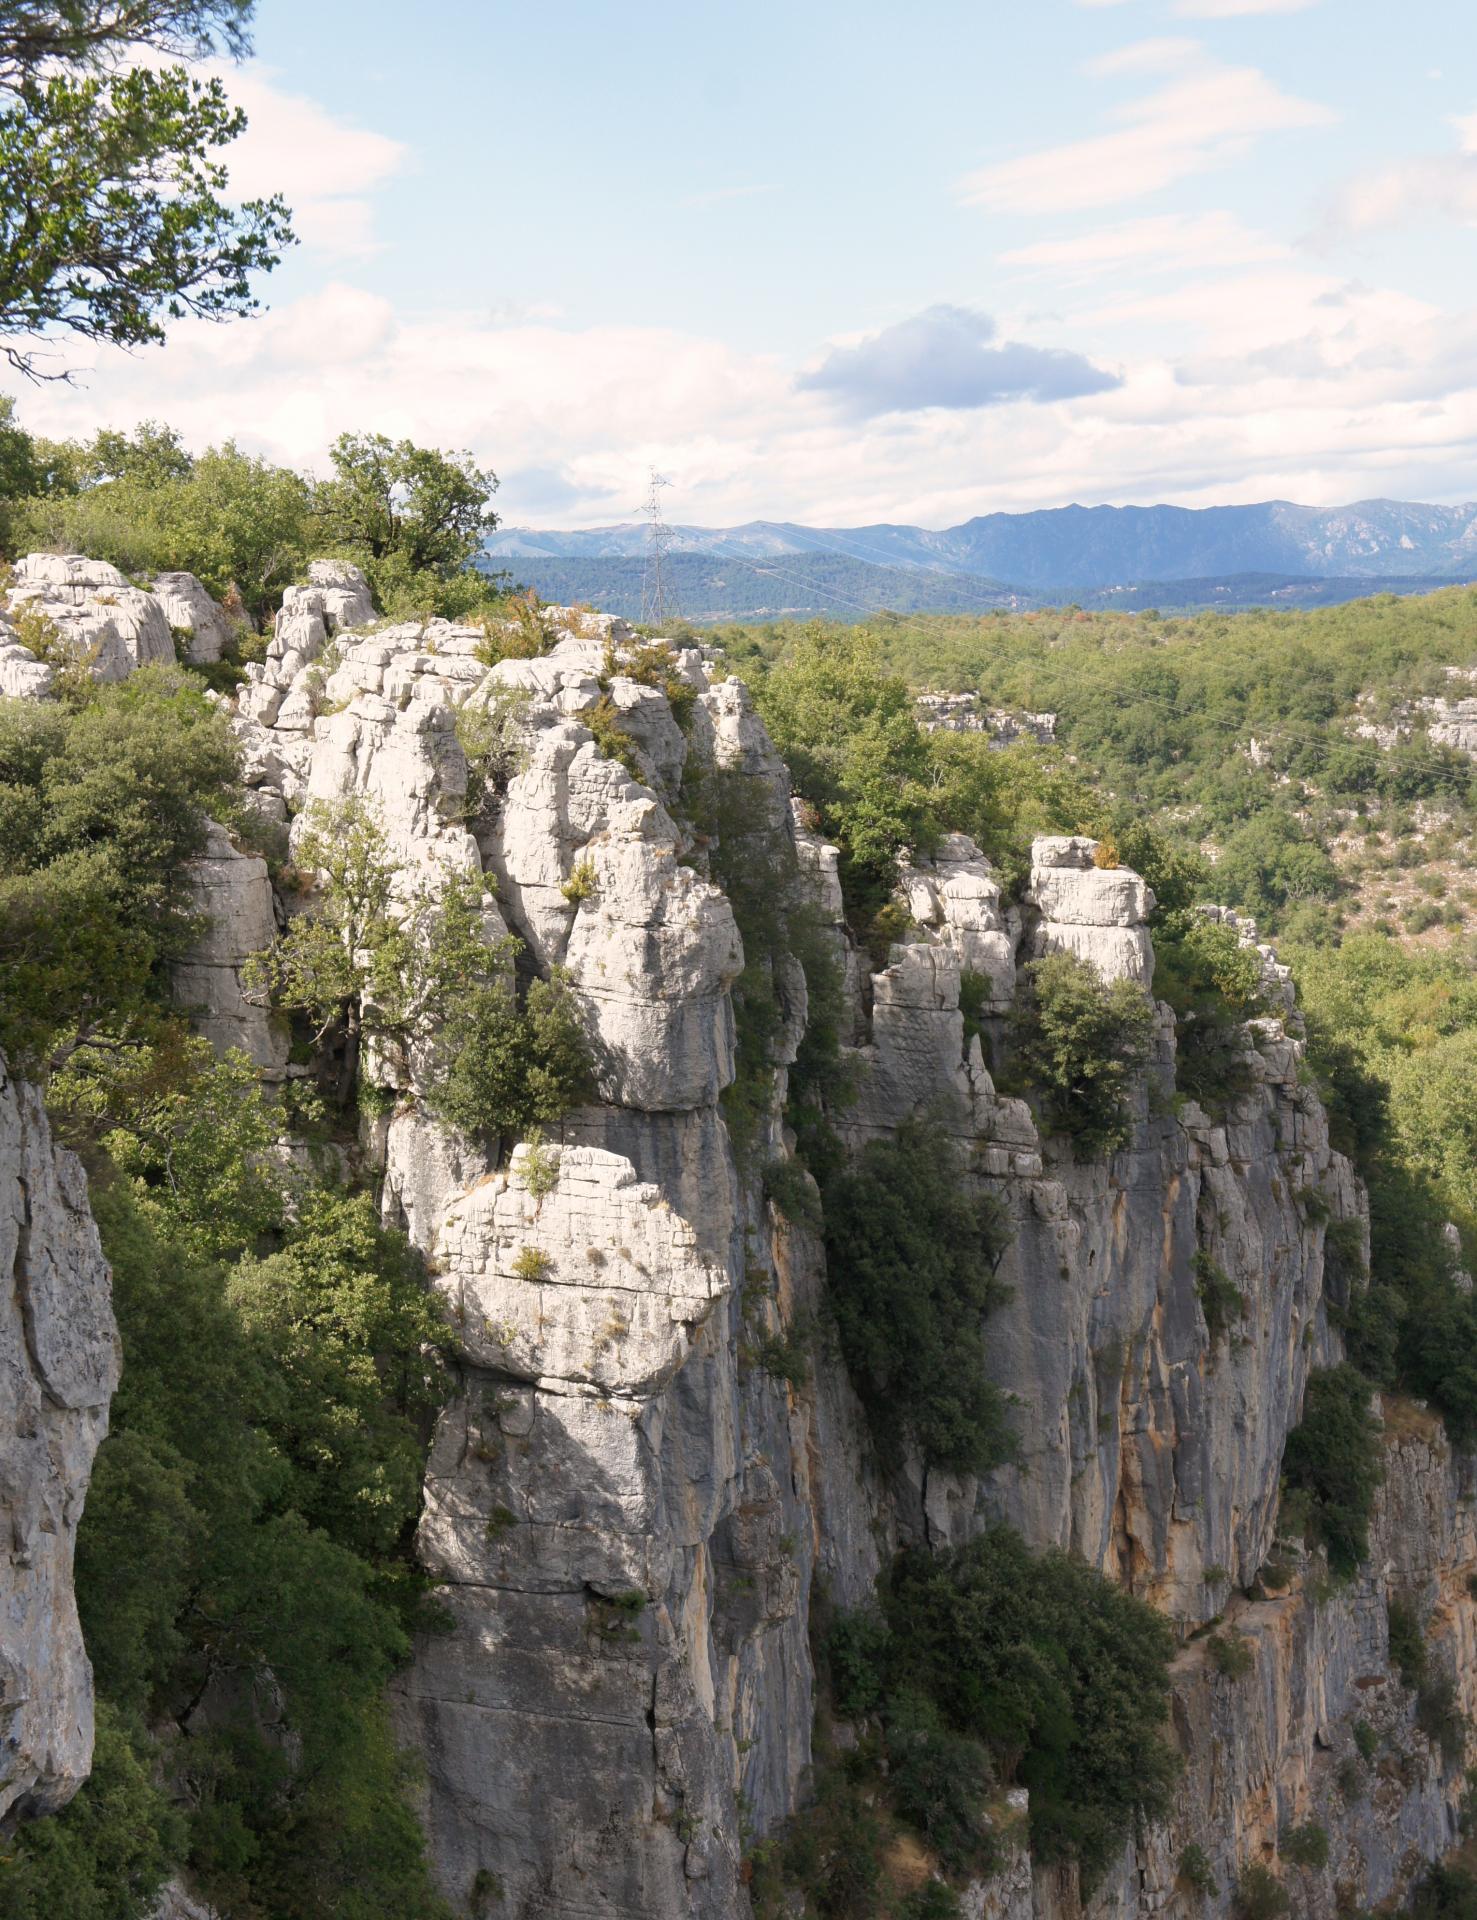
947,357
324,167
1203,114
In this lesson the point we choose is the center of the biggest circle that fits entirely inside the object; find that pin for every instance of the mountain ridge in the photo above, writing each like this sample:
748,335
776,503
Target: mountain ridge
1062,549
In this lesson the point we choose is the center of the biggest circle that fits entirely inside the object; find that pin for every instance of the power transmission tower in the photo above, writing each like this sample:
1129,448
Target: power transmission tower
658,602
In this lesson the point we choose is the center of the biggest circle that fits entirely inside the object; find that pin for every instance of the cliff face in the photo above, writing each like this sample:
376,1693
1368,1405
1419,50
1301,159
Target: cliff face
629,1515
58,1367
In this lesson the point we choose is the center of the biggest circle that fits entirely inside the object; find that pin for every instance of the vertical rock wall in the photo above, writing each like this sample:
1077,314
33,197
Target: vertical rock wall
59,1364
627,1514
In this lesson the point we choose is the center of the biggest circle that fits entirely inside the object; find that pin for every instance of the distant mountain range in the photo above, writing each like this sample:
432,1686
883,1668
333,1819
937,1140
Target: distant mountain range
1273,553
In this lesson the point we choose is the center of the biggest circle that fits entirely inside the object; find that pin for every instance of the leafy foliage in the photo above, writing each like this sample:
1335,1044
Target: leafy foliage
413,517
1060,1674
911,1258
246,1537
423,972
1334,1455
99,809
114,214
1080,1043
847,731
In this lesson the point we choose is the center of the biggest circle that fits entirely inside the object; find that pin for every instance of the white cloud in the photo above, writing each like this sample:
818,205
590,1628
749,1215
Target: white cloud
1234,9
1167,242
323,166
1204,114
1274,381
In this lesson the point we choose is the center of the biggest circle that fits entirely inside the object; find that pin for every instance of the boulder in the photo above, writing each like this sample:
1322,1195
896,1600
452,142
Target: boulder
1100,913
189,609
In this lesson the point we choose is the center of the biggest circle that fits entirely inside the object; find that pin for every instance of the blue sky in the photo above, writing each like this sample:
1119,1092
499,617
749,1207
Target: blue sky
855,263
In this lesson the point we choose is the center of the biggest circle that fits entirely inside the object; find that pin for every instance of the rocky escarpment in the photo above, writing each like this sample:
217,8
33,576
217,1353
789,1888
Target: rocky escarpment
629,1509
59,1363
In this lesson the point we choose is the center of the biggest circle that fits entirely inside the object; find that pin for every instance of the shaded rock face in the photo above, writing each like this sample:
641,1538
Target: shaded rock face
232,895
59,1363
1320,1731
627,1515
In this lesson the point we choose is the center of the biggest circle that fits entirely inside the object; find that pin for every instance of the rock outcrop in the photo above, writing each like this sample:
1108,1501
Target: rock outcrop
232,896
627,1509
191,612
102,622
59,1363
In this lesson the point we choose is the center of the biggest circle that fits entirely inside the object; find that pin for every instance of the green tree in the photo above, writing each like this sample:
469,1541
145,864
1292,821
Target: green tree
1334,1455
147,505
847,730
1061,1675
113,210
911,1259
245,1539
418,969
99,810
1081,1042
414,518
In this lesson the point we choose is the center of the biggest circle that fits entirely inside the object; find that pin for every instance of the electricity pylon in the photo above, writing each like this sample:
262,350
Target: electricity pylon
658,603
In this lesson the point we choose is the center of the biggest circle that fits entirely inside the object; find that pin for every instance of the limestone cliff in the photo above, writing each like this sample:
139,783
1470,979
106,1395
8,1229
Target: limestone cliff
627,1513
58,1368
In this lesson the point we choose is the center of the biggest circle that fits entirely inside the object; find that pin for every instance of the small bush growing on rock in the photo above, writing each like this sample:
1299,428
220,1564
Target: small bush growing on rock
790,1189
506,1069
1196,1872
1221,1300
939,1779
652,664
532,1263
1231,1654
1350,1780
611,736
581,882
540,1167
1335,1456
1214,985
1439,1716
1407,1642
490,736
1260,1895
785,1356
911,1255
1305,1846
1366,1740
1080,1043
